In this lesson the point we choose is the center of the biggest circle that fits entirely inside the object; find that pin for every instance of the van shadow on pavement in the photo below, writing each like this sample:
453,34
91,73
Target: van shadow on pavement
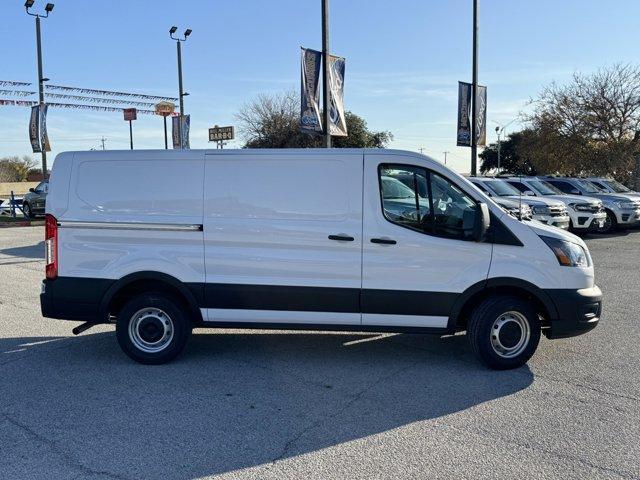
26,252
78,406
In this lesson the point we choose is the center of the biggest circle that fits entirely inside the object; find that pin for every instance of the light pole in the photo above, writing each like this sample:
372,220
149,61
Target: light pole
326,103
500,131
181,91
474,92
48,9
445,156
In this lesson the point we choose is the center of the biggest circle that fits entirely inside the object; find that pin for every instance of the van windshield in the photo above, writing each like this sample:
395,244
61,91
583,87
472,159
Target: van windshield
502,189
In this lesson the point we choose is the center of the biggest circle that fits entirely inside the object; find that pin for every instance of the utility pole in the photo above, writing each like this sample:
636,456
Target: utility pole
181,92
326,103
445,156
48,9
498,131
474,92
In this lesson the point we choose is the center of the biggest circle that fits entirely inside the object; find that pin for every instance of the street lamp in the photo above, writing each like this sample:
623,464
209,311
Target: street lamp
41,79
500,131
181,92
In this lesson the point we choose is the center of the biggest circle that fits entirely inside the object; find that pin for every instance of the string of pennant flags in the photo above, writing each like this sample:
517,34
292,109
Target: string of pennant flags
109,93
98,100
79,98
17,93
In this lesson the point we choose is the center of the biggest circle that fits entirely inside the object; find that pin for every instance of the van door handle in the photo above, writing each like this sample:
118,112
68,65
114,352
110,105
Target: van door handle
383,241
341,237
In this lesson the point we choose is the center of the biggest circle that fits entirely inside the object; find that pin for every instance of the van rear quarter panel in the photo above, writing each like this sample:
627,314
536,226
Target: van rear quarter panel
140,188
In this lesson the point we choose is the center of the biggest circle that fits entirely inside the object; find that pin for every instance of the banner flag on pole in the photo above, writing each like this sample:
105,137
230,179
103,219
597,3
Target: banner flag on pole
175,131
186,124
34,129
310,121
176,123
463,137
464,115
481,116
338,122
44,137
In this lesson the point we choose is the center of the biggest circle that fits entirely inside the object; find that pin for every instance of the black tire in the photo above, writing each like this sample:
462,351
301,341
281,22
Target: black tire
507,311
27,211
162,330
610,223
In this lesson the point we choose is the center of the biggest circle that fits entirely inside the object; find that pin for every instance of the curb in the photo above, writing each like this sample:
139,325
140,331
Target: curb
26,223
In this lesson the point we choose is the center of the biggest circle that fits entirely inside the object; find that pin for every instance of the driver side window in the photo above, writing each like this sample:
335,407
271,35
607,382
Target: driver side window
422,200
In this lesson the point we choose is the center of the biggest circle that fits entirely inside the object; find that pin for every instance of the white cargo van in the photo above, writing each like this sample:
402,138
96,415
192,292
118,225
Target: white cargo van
160,242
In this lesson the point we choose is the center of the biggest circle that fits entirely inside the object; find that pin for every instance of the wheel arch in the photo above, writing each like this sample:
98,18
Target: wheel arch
140,282
475,294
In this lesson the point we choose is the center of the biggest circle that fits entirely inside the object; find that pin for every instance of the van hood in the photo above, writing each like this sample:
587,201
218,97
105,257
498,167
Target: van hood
540,201
540,228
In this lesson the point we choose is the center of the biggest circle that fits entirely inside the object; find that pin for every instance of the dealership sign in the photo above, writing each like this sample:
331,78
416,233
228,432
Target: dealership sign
219,134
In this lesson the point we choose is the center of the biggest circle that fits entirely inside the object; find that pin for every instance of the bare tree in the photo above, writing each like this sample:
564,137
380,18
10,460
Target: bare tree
591,125
16,169
273,121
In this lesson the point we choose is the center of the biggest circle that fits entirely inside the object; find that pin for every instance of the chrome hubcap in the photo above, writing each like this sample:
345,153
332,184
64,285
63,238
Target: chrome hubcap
151,330
510,334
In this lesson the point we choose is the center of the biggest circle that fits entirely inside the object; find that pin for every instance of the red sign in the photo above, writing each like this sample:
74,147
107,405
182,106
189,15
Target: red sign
130,114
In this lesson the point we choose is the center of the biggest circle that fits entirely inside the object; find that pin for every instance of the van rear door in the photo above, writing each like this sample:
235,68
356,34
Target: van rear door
283,237
418,250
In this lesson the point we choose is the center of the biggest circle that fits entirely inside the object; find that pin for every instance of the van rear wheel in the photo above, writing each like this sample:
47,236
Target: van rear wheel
504,332
152,329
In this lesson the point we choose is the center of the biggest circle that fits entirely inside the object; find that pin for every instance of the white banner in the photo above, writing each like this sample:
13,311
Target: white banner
310,121
338,122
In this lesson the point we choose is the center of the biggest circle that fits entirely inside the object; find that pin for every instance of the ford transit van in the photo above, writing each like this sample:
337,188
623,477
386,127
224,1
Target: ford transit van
162,242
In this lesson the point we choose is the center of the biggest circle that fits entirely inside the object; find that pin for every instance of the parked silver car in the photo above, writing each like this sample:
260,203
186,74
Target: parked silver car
551,212
622,210
587,213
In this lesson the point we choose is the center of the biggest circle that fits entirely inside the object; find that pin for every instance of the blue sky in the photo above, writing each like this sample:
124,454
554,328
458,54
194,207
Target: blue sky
404,59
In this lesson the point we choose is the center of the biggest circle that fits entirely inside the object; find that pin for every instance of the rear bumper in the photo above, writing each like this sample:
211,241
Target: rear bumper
578,310
73,298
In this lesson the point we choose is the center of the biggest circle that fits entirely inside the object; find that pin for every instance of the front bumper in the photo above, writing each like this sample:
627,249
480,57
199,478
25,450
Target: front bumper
578,311
588,221
559,221
627,217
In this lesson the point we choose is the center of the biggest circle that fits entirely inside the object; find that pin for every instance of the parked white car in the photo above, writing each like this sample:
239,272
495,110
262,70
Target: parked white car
622,210
587,213
550,212
161,242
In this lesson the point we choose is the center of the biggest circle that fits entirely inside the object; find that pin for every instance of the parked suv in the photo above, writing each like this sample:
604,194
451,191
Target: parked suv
610,185
551,212
622,210
34,202
586,213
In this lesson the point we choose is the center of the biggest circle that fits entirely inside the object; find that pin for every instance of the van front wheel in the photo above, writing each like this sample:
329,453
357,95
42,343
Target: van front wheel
504,332
152,329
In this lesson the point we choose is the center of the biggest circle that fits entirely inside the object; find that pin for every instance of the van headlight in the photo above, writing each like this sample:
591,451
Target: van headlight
540,209
569,254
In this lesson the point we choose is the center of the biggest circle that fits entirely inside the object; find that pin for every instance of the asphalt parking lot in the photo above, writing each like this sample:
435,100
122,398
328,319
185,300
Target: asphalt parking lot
291,405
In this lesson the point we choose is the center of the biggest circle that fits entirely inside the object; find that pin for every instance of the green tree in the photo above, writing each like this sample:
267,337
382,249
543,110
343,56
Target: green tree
511,159
273,121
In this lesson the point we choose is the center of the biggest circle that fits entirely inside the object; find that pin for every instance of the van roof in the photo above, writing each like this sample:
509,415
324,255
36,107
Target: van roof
255,151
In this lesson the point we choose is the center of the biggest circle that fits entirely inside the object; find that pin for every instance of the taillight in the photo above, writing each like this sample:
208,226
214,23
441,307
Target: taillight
51,246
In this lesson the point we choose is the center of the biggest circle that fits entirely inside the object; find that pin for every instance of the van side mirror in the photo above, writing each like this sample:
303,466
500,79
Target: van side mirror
529,193
32,190
482,221
575,191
